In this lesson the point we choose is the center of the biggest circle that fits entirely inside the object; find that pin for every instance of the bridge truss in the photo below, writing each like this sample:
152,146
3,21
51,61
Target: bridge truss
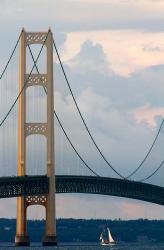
35,185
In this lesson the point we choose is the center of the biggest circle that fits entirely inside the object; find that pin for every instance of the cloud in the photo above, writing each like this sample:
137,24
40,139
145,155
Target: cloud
152,48
86,58
115,65
124,56
148,114
76,15
108,103
113,123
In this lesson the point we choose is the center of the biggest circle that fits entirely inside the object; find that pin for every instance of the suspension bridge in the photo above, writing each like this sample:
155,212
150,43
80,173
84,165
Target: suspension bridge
29,170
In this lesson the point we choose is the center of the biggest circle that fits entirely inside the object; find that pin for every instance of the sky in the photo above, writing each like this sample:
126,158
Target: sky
113,54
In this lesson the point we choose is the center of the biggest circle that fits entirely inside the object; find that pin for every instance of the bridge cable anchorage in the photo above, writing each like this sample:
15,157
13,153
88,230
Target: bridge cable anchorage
83,120
154,172
109,164
149,151
9,60
66,135
12,106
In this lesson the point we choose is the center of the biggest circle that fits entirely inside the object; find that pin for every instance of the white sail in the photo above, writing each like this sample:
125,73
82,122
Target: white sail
101,238
111,240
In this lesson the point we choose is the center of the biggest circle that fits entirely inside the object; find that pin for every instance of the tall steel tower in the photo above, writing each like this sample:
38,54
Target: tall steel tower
46,129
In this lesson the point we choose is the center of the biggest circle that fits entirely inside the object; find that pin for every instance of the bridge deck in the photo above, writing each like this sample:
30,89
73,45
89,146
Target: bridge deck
33,185
22,186
110,186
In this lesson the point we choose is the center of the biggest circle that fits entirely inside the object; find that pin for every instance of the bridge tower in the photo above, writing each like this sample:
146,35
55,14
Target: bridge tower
47,129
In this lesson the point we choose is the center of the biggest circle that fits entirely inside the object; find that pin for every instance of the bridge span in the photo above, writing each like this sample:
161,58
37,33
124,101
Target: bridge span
35,185
41,189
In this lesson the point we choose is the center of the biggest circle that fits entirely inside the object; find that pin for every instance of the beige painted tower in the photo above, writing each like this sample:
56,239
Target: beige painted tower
46,129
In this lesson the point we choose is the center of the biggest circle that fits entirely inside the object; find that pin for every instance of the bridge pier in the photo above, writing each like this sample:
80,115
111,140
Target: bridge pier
22,241
21,238
49,240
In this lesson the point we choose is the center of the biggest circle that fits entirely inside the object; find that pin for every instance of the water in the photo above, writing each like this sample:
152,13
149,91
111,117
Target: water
88,247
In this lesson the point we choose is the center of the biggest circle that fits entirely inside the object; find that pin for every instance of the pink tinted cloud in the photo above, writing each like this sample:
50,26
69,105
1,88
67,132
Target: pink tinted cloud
148,115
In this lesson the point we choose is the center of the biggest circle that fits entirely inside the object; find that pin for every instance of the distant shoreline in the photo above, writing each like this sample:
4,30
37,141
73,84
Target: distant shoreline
79,231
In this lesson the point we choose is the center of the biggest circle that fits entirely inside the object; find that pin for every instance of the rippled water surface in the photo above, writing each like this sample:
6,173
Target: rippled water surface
89,247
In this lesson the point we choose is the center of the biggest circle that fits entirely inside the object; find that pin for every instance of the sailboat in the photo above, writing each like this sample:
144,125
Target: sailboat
109,241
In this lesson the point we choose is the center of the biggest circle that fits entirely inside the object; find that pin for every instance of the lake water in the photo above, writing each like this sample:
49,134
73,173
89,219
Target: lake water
88,247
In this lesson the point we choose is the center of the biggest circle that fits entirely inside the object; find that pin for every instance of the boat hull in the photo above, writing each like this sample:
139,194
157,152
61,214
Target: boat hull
107,243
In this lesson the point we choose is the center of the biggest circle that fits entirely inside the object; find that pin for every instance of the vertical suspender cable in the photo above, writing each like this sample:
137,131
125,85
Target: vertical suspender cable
83,120
62,125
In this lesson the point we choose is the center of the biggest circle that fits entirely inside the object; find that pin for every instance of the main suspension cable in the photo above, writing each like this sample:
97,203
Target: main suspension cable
95,173
12,106
154,172
149,151
83,120
13,51
65,133
142,162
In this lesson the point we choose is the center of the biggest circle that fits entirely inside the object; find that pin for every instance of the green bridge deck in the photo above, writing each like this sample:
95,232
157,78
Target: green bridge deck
35,185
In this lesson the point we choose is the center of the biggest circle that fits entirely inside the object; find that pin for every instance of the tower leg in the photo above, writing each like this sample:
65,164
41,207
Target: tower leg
21,238
49,239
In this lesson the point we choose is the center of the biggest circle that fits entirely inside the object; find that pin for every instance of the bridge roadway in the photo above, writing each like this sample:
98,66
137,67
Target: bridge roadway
35,185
